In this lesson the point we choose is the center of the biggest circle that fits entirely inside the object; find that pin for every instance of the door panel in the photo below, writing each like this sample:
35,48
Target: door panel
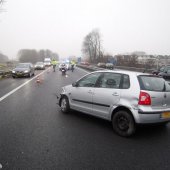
81,98
103,100
106,94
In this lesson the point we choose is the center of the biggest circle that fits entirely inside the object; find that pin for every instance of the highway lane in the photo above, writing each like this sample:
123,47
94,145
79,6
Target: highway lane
8,84
34,134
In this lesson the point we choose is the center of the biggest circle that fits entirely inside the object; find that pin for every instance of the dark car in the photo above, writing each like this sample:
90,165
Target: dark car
39,66
23,70
163,71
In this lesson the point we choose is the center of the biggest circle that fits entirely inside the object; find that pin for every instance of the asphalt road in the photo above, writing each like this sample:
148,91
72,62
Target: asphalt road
34,134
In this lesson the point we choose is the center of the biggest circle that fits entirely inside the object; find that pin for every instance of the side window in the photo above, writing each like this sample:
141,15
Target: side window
168,70
110,80
162,69
126,82
89,80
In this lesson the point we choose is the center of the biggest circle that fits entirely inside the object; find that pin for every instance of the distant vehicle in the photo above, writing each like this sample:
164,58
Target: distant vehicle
39,66
63,69
109,66
47,61
23,70
163,71
68,65
85,63
123,97
102,65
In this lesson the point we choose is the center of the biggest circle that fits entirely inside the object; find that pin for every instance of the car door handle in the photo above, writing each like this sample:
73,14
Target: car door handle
90,92
115,94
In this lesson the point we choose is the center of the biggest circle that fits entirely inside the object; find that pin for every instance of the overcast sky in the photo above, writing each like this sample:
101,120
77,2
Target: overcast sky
61,25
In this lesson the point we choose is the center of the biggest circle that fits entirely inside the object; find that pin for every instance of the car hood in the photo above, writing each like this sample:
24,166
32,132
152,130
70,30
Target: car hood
21,69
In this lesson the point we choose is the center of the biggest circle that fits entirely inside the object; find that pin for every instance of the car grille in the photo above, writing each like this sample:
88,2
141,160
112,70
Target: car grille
19,72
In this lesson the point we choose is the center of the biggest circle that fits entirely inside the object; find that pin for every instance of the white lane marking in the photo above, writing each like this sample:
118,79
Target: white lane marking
14,90
83,70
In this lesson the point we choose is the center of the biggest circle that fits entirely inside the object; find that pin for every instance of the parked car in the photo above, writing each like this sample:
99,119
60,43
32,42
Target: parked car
85,63
102,65
23,70
109,66
163,71
123,97
39,66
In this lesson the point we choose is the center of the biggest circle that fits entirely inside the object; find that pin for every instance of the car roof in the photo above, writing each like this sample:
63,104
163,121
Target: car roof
123,72
23,63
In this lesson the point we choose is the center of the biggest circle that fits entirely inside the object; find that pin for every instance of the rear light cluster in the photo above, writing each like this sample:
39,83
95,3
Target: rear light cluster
144,99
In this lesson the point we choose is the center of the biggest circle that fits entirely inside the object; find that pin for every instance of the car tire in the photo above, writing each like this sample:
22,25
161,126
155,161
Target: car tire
65,107
30,75
123,123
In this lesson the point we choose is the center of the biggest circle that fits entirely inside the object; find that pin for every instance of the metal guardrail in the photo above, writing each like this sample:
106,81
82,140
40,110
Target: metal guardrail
95,68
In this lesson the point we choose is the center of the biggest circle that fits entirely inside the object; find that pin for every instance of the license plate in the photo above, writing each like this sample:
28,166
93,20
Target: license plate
165,115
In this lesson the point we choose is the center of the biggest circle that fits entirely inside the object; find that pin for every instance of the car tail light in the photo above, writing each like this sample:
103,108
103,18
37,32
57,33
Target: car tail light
144,99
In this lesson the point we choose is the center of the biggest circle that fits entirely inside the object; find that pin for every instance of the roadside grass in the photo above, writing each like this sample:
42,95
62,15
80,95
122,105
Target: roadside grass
5,71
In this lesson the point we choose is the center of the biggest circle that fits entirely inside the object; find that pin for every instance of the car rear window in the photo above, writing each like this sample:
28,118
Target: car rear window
152,83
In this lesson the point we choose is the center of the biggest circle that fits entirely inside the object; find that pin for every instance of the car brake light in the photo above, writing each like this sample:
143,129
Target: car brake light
144,99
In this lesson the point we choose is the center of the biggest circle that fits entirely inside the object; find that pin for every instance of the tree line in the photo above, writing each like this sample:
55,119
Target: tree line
93,52
32,55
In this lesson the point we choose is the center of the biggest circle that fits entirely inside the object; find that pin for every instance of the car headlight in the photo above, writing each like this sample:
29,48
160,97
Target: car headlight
26,71
13,71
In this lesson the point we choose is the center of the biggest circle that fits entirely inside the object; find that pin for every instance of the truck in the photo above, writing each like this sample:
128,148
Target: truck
47,61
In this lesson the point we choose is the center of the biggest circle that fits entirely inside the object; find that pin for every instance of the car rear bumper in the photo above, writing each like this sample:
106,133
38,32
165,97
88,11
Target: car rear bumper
152,117
39,68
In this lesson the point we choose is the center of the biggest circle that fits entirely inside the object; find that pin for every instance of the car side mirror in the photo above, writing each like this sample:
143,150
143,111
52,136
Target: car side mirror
75,84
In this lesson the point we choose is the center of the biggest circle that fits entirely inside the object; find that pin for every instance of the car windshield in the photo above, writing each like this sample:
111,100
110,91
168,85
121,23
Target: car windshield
152,83
22,66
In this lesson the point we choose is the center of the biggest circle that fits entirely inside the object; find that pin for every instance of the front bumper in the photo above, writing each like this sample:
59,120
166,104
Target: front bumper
21,74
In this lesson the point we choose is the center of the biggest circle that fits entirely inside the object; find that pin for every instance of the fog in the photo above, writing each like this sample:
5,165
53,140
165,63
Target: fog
125,25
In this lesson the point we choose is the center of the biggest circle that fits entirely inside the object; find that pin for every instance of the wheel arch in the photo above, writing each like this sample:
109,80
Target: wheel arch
62,95
124,108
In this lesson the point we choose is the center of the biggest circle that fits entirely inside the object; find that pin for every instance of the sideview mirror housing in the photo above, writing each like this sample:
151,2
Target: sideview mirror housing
75,84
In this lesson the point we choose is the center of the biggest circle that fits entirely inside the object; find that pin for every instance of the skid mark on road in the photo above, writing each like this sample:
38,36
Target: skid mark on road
14,90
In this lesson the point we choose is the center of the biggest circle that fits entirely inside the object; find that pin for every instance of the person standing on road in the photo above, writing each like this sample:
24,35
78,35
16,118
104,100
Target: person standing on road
54,63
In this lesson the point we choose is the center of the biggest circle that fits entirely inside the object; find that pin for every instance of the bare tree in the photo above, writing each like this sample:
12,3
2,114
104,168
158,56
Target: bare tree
1,3
92,46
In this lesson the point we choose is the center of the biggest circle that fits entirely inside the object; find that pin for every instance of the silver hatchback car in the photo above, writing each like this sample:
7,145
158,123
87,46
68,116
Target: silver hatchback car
123,97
